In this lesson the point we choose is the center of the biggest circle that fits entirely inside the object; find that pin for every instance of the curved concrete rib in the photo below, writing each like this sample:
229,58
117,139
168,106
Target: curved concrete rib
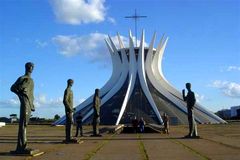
123,69
126,67
121,80
108,85
122,72
87,115
120,41
210,113
157,60
161,80
142,78
157,68
154,81
111,82
132,76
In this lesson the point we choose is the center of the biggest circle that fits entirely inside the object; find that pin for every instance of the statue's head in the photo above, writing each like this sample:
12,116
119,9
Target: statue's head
188,86
70,82
29,67
97,92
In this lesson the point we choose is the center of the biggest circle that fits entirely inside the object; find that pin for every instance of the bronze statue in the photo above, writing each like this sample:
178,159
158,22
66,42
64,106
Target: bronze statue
79,124
191,100
166,123
23,88
68,103
96,113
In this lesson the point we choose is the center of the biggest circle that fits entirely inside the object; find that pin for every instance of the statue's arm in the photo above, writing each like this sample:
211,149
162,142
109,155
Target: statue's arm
65,101
19,86
183,94
71,109
194,98
97,105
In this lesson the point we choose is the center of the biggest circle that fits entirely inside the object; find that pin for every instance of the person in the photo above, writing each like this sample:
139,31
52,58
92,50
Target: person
79,125
190,100
23,88
141,125
96,113
166,123
68,103
135,124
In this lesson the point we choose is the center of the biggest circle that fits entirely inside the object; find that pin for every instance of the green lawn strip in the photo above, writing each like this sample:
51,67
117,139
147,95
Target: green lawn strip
89,155
190,149
142,148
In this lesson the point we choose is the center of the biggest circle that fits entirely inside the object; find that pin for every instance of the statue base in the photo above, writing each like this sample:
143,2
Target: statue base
196,137
96,135
27,152
73,141
191,137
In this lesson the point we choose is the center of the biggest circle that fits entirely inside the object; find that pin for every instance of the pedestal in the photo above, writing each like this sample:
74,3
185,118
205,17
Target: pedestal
73,141
27,152
96,135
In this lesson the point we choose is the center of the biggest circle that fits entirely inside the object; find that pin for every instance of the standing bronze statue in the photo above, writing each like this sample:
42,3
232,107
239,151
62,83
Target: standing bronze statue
23,88
191,100
166,123
68,103
96,113
79,124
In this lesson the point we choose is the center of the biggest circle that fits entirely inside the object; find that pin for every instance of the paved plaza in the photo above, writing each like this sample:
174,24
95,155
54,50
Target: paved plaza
218,142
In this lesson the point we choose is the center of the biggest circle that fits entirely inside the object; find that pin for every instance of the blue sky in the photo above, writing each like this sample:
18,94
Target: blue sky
65,39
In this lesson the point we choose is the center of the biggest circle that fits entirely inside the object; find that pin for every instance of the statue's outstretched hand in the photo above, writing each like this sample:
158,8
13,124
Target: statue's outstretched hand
33,109
183,92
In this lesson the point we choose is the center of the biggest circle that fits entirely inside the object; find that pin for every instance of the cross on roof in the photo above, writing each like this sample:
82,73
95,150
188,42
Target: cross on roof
135,17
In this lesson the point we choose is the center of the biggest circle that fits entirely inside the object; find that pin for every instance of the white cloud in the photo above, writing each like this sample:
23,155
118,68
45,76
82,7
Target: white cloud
42,101
230,89
45,106
91,46
233,68
138,42
199,97
124,40
39,101
13,102
79,11
41,44
111,20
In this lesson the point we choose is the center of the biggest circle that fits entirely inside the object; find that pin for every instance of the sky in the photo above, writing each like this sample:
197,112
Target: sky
65,39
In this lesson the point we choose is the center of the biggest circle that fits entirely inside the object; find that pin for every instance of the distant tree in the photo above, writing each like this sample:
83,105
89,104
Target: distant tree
13,115
13,118
56,117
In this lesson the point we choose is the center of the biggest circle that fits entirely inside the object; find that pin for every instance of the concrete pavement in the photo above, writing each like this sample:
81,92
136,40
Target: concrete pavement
218,142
